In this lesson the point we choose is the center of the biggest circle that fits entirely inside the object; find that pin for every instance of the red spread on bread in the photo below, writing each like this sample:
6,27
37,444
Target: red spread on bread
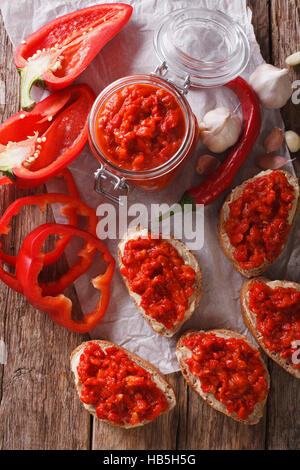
258,226
229,369
277,315
156,272
120,390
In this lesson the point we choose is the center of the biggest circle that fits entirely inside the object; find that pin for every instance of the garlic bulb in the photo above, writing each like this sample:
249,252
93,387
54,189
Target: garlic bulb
272,86
220,129
292,141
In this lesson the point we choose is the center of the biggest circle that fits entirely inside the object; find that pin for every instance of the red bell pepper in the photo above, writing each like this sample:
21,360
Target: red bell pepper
54,55
86,254
70,212
215,184
59,308
38,145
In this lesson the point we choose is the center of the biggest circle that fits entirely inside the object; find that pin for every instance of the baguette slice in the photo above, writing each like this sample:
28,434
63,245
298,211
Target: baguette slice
188,258
156,377
183,353
250,320
226,246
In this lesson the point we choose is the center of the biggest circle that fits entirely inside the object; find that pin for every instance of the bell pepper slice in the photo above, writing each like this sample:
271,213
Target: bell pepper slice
59,308
54,55
38,145
52,256
86,254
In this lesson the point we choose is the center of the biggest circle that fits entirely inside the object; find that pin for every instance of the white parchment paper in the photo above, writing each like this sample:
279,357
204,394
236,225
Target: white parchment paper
130,52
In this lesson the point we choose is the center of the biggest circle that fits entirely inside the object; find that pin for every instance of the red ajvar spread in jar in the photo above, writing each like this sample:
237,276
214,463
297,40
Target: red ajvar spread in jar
228,368
156,272
120,390
257,226
277,312
140,127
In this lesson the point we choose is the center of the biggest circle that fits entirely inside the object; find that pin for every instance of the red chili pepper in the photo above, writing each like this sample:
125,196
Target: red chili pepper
54,55
59,308
213,186
38,145
86,254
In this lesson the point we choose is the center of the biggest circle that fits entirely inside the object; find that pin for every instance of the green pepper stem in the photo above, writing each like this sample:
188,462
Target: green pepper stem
29,76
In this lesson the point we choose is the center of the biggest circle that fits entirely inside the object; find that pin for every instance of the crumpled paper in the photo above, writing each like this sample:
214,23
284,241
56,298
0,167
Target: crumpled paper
131,52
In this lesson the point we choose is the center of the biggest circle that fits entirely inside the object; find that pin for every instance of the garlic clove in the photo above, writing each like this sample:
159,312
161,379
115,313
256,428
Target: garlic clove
293,60
293,141
270,162
274,140
220,129
272,86
207,164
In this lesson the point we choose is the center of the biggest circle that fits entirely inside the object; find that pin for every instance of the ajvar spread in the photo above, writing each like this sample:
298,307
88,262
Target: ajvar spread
140,127
120,390
258,226
230,369
277,314
156,272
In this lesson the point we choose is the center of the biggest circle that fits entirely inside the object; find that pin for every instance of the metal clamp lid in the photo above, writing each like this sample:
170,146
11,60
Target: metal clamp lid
102,175
162,70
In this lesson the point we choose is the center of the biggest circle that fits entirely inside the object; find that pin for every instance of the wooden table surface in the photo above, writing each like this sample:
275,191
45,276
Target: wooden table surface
39,408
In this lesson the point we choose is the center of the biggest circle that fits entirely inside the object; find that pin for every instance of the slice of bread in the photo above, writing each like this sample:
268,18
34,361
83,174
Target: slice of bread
250,320
183,353
156,376
226,246
189,259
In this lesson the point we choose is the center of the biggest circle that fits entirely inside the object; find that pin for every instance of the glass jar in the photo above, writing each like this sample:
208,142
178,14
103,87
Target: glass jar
201,48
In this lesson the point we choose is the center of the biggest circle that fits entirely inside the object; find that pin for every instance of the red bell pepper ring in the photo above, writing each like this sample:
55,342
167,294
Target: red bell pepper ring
215,184
52,256
59,308
86,254
57,53
38,145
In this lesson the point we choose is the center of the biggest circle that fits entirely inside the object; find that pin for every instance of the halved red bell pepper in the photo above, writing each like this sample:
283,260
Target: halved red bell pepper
54,55
86,254
59,308
38,145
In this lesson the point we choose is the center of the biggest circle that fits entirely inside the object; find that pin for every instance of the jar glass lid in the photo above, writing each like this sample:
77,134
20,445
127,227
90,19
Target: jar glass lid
206,45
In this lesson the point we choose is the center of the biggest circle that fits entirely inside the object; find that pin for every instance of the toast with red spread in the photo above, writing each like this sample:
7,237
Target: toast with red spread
271,311
117,386
163,278
256,219
227,371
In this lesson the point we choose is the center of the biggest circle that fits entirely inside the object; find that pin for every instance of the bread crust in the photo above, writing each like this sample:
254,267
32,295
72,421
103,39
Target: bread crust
187,256
223,238
194,382
250,321
156,376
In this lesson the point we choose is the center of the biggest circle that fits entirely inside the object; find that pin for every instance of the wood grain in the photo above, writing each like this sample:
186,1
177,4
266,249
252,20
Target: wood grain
285,40
38,404
39,408
283,409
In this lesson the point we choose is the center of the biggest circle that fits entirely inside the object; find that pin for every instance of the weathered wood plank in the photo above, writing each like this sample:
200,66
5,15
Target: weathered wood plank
285,33
39,408
284,418
261,22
